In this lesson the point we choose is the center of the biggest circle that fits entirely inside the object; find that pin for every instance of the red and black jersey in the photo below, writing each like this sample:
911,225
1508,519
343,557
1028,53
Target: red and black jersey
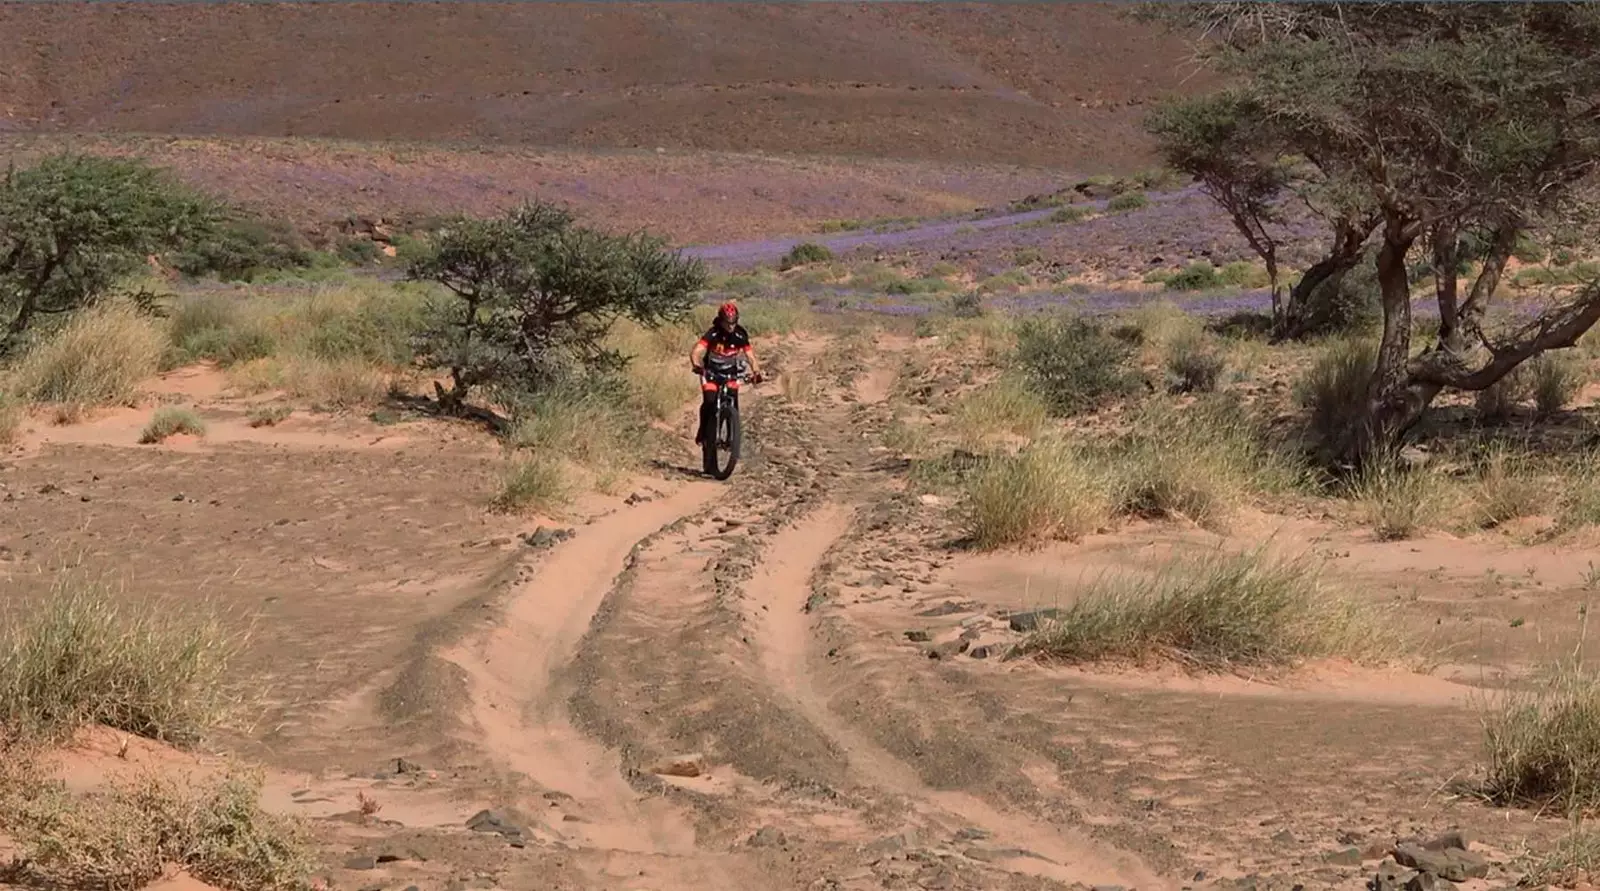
725,345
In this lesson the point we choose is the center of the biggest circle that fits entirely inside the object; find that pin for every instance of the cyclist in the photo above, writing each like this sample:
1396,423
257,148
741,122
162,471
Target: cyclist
724,345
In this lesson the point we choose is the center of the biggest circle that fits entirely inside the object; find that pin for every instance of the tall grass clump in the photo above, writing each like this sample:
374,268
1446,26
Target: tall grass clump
1074,364
1215,611
1201,276
1333,391
99,358
532,482
125,834
219,327
1507,488
12,415
1497,403
587,424
170,420
1577,501
1200,463
1005,407
1128,201
1542,745
1195,363
1050,490
1400,502
86,656
1554,381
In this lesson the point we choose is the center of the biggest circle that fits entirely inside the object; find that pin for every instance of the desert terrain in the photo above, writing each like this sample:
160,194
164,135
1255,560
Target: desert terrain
829,671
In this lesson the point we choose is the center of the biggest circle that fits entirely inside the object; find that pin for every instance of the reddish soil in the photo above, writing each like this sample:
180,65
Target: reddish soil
1059,85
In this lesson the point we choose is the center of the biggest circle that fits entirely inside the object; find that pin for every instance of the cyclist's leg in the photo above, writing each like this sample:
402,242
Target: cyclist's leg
708,408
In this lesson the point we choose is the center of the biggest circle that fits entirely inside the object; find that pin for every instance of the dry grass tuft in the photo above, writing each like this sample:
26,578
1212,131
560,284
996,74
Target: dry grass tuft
98,358
171,421
535,482
1542,746
1214,612
86,656
1400,502
12,416
1051,490
124,835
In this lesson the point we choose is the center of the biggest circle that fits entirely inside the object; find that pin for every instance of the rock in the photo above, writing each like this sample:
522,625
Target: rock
544,538
494,821
972,833
947,650
681,766
768,837
982,855
917,636
1391,876
1422,881
1418,857
1028,621
931,500
391,858
364,861
1455,838
1108,888
979,652
1350,856
1284,836
949,607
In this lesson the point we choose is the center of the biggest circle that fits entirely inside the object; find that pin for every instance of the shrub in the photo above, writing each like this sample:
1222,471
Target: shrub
1542,746
72,225
804,254
534,482
1243,274
86,656
1214,611
1199,276
1498,402
1050,490
537,294
967,305
1334,390
1070,214
241,247
1527,250
214,326
99,358
171,421
1577,503
123,836
1195,364
1128,201
1075,365
584,423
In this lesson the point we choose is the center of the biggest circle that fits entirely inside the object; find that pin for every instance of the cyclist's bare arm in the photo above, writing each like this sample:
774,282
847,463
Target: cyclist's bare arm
697,356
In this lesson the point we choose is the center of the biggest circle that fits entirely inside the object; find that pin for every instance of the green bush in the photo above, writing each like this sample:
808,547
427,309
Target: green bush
805,254
242,247
1334,390
1070,214
1201,276
1075,364
1195,363
1128,201
1343,304
170,421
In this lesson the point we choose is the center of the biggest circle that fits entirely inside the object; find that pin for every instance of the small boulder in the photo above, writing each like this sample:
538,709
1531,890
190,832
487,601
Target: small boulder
1028,621
691,765
918,636
1347,856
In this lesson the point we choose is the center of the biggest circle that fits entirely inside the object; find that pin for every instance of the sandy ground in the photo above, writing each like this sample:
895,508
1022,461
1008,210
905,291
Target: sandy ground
711,685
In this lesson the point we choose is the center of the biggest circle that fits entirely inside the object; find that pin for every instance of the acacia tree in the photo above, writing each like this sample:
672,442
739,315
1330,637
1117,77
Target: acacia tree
536,293
1447,120
72,225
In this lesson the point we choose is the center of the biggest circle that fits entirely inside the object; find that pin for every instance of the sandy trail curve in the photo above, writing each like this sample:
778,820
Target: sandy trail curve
520,715
783,636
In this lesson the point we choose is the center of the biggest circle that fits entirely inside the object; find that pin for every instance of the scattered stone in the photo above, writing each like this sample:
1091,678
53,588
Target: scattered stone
947,650
768,837
1108,888
545,538
918,636
681,766
1284,836
1455,864
1454,839
636,498
493,821
1029,621
1422,881
1349,856
554,796
363,862
931,500
1391,876
972,833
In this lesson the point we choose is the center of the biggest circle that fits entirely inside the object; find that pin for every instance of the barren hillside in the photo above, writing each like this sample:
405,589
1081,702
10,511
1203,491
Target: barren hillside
1058,85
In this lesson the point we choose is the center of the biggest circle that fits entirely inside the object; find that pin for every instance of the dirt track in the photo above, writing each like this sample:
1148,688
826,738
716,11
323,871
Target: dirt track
755,630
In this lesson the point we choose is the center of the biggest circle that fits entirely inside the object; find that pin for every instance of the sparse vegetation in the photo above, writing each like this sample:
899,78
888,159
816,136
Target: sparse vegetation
1333,391
171,421
1128,201
12,415
1200,276
1215,611
1051,490
99,358
124,835
1542,745
1075,364
1400,502
1195,364
532,482
1508,489
804,254
87,656
269,415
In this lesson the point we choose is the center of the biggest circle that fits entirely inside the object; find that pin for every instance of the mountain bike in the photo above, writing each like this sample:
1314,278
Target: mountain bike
725,431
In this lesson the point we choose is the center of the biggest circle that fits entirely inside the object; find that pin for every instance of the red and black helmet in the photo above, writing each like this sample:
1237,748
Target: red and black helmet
729,311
